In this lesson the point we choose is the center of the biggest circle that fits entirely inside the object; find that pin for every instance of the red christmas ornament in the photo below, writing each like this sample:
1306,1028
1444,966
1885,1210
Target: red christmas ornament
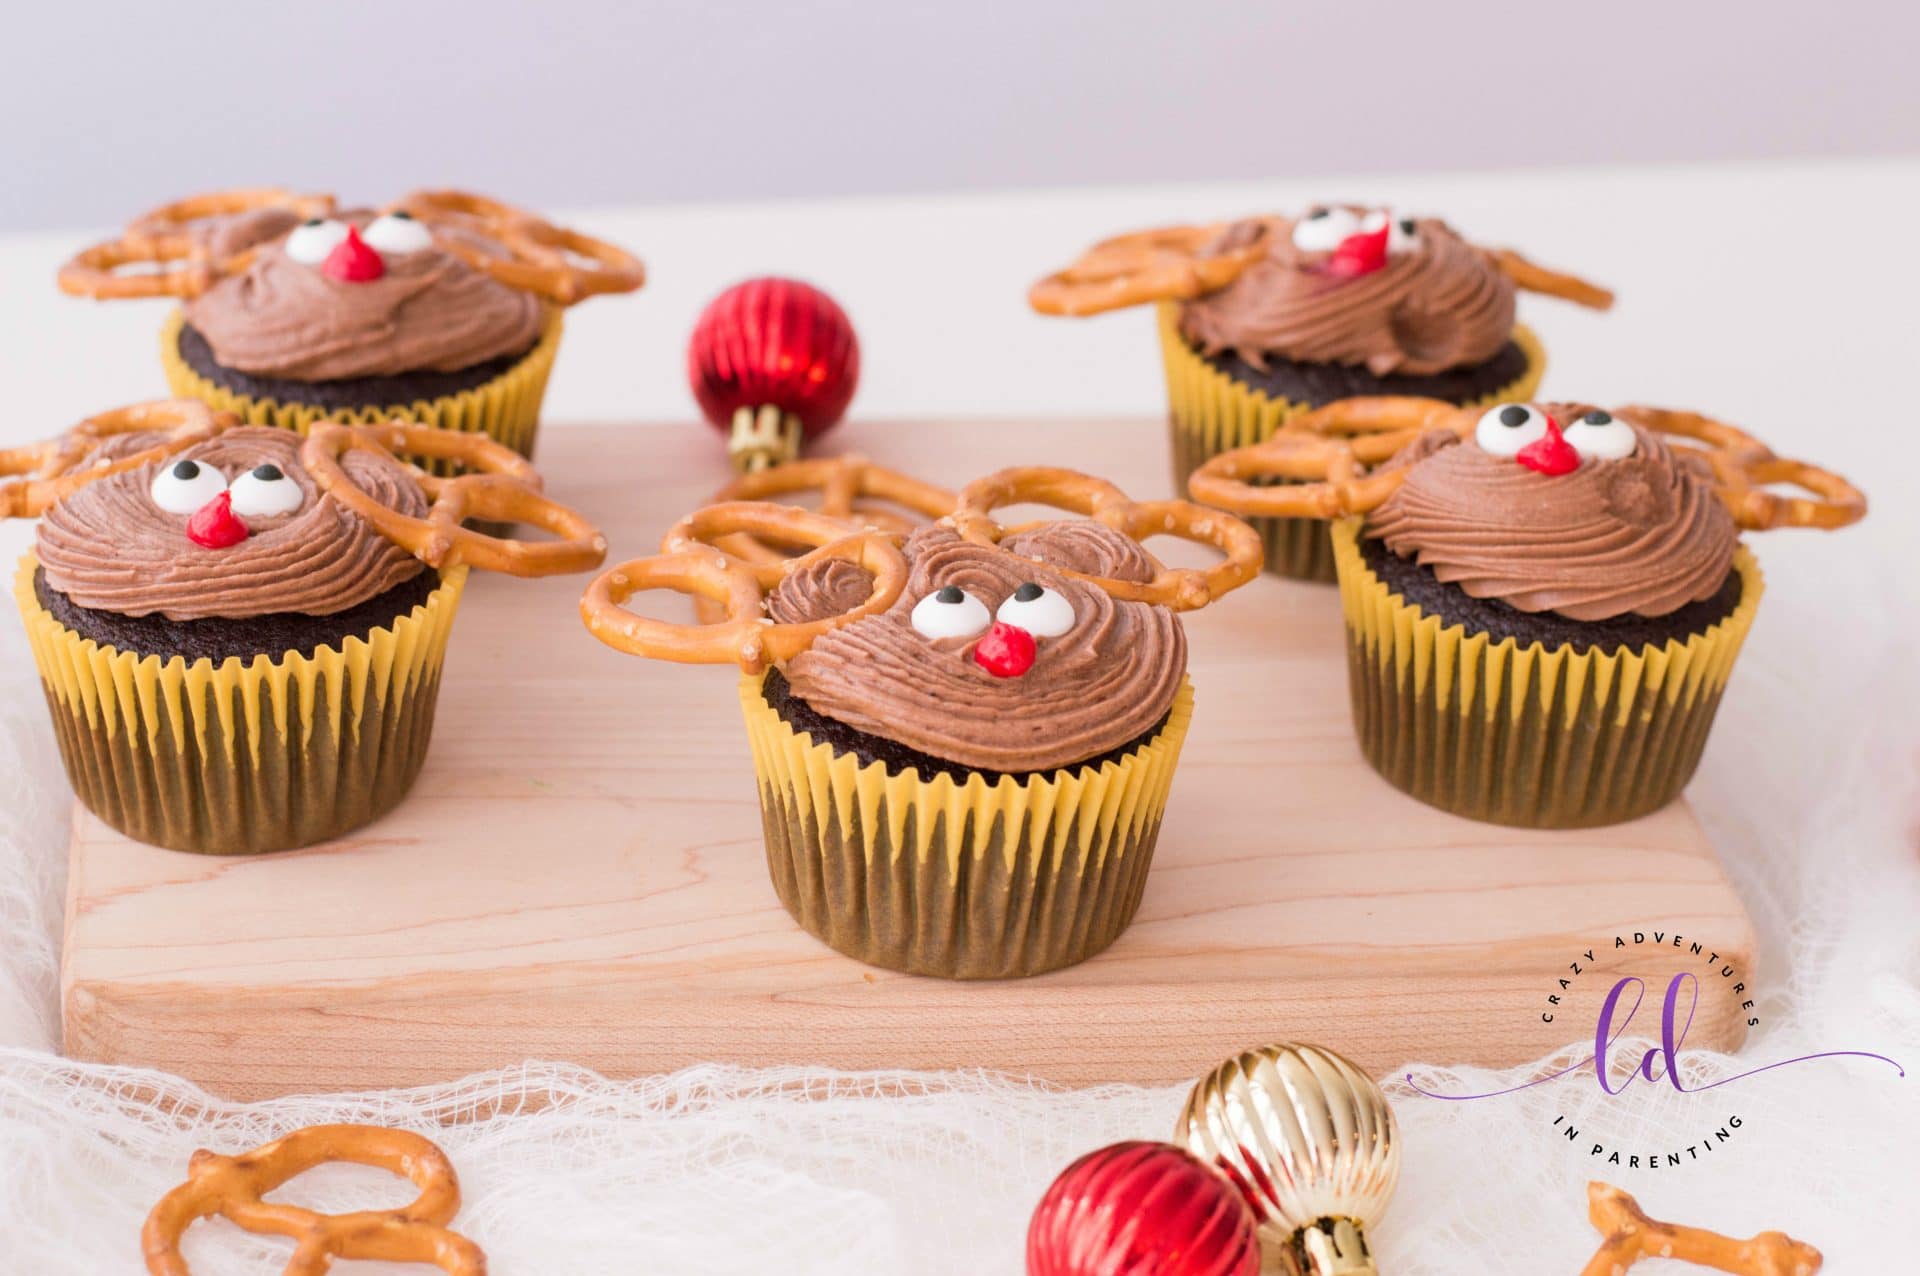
353,261
772,361
1142,1209
215,525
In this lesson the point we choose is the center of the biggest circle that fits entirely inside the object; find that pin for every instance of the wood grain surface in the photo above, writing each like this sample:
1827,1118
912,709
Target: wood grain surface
579,875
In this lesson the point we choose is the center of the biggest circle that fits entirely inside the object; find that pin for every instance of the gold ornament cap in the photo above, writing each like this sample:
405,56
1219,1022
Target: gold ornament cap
763,437
1312,1144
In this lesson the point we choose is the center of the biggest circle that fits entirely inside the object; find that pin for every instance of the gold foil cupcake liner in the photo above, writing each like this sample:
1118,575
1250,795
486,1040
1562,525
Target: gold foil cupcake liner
1209,412
1534,736
964,880
506,409
244,756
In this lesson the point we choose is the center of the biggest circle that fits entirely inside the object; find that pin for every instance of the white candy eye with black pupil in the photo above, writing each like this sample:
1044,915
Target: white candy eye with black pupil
1038,610
398,233
1601,436
311,241
264,491
950,613
1321,230
1403,234
182,487
1506,429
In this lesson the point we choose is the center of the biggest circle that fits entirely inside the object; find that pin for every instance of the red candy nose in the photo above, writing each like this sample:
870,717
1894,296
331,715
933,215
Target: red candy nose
1549,454
352,262
215,525
1360,254
1007,651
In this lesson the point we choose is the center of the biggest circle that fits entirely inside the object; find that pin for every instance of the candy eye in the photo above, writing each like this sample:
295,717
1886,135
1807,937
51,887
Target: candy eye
398,233
1504,430
1038,610
311,241
1601,436
184,486
1321,230
950,613
1403,233
265,491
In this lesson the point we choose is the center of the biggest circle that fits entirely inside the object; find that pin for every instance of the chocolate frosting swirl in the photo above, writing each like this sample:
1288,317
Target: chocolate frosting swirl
1442,304
430,312
110,548
1645,534
1103,683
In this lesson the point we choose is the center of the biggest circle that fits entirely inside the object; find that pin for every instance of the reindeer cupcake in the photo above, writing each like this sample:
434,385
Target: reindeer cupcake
1543,601
1266,317
964,734
239,631
443,308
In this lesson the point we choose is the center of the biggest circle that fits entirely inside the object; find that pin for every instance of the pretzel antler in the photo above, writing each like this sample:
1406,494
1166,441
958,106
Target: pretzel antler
562,265
1745,467
47,472
235,1187
691,562
1147,265
864,496
1550,283
1183,589
1632,1236
1323,462
497,485
164,237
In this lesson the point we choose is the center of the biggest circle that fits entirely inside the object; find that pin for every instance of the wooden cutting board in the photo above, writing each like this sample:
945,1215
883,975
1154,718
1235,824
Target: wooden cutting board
579,876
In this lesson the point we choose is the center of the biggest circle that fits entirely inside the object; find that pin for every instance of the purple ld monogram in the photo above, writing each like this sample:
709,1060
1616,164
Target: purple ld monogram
1660,1062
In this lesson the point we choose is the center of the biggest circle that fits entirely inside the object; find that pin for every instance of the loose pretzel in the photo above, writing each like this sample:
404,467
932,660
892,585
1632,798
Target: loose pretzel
542,258
691,562
1324,462
1182,589
497,485
235,1187
1148,265
49,469
1632,1236
164,238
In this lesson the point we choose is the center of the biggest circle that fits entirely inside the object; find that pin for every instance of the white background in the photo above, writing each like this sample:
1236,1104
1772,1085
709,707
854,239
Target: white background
576,102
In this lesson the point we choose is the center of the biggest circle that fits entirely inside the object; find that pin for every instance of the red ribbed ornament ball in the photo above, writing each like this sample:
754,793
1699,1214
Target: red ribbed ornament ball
772,362
1142,1209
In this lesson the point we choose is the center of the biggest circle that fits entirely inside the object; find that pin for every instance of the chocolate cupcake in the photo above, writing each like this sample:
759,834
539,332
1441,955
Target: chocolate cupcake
443,309
1543,601
240,632
965,735
1265,318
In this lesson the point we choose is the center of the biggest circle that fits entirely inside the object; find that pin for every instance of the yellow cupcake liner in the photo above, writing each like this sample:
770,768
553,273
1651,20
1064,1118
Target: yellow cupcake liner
1209,413
244,756
964,880
1534,736
506,409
